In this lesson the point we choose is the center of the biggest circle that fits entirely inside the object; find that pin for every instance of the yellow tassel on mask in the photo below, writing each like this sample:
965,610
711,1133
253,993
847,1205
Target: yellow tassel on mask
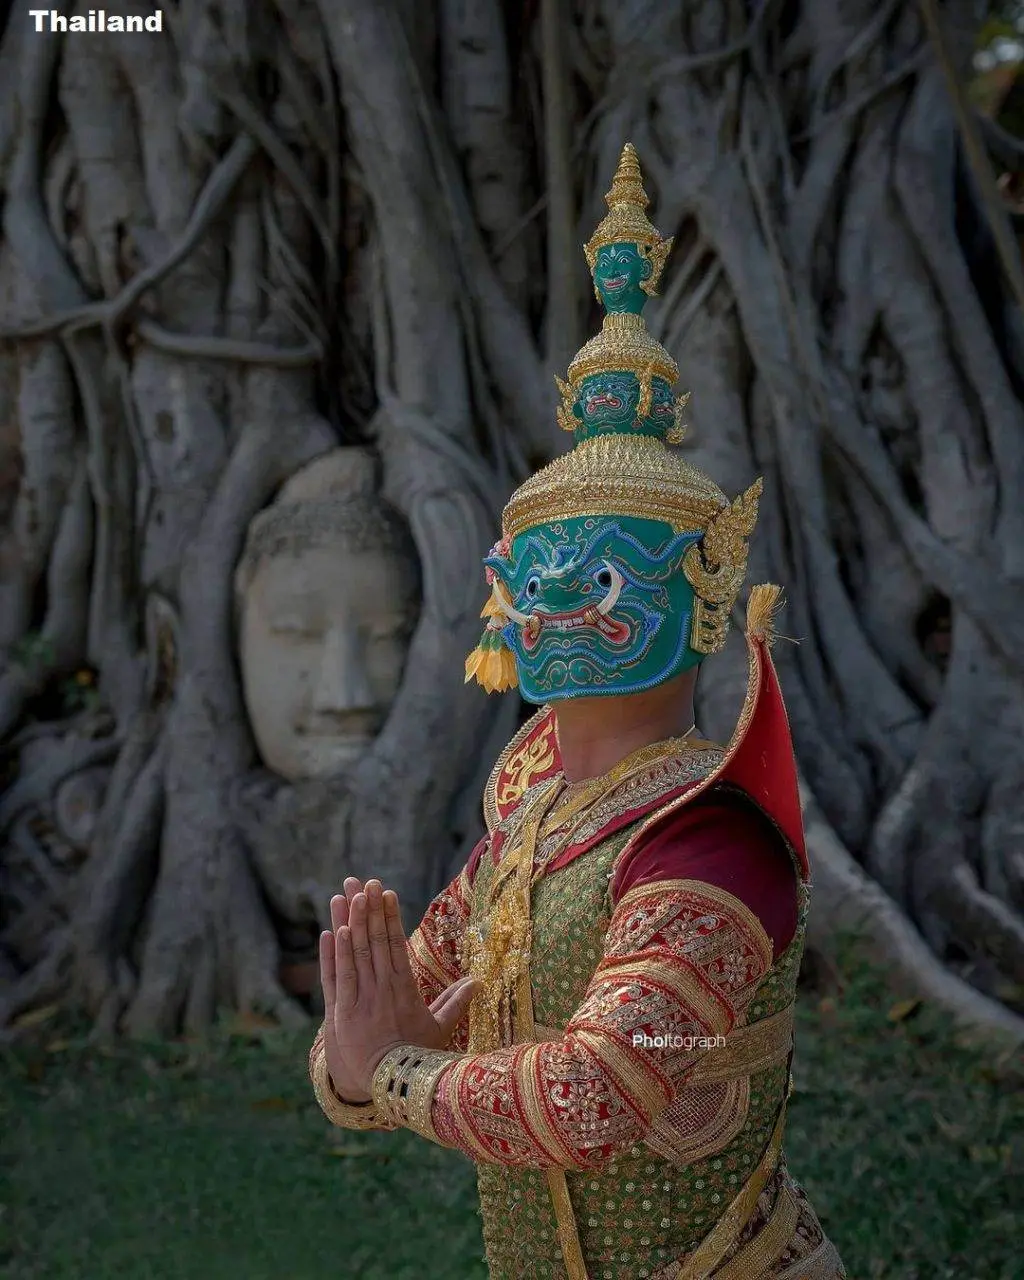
491,609
492,664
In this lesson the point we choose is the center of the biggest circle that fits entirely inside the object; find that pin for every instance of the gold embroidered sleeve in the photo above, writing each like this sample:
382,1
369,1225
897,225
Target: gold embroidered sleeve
682,959
435,948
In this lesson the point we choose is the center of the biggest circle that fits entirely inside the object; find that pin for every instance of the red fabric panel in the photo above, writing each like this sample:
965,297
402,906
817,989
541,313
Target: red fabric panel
723,840
762,763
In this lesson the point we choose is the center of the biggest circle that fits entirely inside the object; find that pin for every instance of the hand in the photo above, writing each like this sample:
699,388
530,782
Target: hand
344,1086
371,1000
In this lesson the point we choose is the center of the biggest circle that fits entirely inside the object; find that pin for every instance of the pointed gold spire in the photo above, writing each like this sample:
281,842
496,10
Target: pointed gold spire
626,220
628,183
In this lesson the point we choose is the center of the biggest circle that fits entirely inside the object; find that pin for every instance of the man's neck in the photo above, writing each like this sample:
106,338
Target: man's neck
594,734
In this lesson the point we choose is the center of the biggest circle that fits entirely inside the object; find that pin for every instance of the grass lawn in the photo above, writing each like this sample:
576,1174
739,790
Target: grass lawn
211,1162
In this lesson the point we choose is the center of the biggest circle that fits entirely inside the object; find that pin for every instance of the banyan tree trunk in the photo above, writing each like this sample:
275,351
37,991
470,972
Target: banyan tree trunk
278,227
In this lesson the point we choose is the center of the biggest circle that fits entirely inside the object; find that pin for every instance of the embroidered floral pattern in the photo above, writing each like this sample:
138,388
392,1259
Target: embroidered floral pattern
435,948
636,794
578,1102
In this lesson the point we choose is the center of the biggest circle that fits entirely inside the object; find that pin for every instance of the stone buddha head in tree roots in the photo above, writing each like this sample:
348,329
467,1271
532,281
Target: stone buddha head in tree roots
619,563
328,596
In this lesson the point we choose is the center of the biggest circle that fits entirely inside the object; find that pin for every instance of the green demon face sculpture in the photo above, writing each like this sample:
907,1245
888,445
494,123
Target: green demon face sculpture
595,605
663,415
619,272
610,401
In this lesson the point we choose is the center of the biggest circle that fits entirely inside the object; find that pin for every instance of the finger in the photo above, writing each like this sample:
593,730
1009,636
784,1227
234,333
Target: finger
360,942
398,944
377,930
454,1005
352,886
346,972
328,980
439,1003
339,911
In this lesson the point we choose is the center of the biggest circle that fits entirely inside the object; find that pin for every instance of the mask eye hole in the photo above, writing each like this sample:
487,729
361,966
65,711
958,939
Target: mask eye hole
532,587
603,578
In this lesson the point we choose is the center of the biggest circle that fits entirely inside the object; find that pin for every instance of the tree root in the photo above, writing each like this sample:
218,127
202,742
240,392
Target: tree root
215,194
211,347
229,956
68,758
45,410
114,888
847,901
990,925
44,982
563,314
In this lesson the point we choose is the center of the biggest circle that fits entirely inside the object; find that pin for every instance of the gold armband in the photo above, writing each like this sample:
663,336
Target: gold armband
403,1087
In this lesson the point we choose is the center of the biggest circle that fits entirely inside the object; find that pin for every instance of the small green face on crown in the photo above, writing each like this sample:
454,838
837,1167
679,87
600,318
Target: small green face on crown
608,402
619,272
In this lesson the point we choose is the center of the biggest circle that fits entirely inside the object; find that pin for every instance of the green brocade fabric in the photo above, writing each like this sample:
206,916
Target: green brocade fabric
640,1212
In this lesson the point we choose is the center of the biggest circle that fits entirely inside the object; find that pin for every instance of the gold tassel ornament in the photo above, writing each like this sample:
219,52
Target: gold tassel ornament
763,606
646,392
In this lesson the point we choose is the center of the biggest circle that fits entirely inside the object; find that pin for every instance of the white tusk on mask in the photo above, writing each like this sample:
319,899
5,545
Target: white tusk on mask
513,614
608,603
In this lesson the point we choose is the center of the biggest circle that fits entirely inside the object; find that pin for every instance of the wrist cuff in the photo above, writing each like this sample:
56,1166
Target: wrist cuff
403,1087
347,1115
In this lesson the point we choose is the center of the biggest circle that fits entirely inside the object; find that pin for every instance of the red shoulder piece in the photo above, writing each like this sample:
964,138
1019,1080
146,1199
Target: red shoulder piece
722,839
759,759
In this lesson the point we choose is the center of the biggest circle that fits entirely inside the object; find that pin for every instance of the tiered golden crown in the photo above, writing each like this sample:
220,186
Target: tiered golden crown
634,473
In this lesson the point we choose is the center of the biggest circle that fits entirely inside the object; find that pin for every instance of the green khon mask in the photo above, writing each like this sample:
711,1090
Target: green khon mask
596,605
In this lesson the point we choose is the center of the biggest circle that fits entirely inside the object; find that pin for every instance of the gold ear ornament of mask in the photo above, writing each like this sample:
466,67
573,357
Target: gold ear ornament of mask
564,413
716,566
643,408
657,256
676,433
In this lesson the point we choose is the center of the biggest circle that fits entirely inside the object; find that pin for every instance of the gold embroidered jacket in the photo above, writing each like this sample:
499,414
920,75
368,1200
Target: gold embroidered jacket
659,1066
